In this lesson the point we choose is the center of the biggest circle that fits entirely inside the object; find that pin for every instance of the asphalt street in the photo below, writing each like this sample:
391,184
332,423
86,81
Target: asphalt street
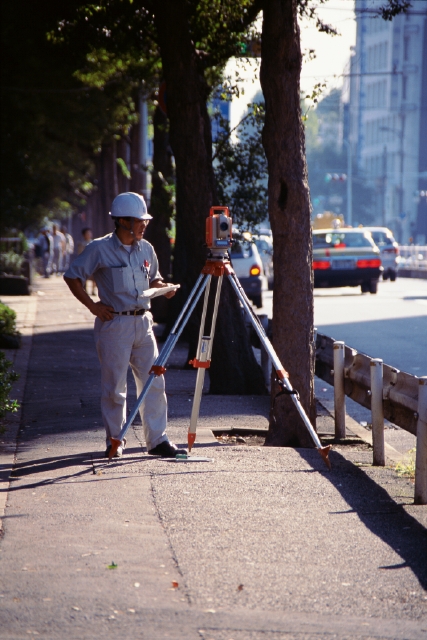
257,544
391,325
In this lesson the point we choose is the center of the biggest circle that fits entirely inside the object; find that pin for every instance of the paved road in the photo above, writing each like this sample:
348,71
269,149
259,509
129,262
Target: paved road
391,325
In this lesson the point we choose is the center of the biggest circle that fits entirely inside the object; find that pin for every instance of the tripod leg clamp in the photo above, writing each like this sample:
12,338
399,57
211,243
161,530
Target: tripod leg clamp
198,364
157,369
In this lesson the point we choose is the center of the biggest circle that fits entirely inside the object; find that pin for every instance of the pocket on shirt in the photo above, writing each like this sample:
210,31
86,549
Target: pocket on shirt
120,277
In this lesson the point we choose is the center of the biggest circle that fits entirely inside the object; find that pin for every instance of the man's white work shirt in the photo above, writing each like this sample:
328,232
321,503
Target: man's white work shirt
120,276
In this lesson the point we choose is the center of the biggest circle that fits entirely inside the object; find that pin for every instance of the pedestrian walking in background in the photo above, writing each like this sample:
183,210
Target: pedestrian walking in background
45,252
69,248
124,266
87,237
58,249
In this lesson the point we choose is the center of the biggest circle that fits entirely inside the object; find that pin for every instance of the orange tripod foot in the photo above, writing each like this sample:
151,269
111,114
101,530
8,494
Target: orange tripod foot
324,452
191,438
115,444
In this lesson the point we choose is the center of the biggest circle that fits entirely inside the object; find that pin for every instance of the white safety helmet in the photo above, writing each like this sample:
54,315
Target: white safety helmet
129,205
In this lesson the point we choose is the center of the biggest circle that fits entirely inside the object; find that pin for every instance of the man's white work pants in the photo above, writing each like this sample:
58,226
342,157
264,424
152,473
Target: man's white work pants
119,342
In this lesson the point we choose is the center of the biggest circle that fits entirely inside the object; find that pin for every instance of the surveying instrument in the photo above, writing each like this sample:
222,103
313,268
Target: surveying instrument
218,241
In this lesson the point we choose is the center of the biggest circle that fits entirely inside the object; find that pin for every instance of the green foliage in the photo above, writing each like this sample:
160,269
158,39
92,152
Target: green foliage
11,263
406,468
7,321
7,378
241,168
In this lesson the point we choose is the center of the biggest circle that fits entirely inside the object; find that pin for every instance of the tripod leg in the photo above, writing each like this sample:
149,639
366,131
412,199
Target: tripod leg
158,367
282,375
202,360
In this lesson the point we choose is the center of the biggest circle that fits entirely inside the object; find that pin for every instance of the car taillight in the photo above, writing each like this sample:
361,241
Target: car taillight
391,250
368,264
321,264
254,270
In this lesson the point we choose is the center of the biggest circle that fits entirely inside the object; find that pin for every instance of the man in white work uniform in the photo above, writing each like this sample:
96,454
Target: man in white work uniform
124,265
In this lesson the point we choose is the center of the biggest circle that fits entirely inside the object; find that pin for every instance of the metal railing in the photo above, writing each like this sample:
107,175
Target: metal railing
389,393
413,257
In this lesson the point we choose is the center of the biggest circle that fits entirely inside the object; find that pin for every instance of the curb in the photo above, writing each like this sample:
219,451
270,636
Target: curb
20,358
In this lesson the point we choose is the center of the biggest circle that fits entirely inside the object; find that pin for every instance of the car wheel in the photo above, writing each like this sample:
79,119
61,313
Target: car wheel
385,275
365,287
257,300
393,276
270,285
373,286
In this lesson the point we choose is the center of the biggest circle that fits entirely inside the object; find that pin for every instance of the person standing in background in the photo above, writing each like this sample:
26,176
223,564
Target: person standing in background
45,243
58,249
87,238
69,248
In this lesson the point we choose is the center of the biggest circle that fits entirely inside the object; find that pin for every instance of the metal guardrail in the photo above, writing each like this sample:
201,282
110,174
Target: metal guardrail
386,391
413,257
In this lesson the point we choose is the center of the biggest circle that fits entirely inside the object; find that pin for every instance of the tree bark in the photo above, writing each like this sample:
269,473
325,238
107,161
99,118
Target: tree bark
191,141
289,211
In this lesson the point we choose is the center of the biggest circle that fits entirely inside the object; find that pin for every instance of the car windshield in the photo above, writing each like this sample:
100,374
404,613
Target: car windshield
381,239
241,249
340,240
262,245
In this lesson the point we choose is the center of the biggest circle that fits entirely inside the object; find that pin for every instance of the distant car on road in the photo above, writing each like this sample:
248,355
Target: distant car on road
247,265
346,258
389,249
264,245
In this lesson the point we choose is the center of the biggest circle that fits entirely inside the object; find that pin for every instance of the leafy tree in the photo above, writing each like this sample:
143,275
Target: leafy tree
241,168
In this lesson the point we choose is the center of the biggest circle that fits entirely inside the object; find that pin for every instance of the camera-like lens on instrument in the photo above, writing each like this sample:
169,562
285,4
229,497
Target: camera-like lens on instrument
223,226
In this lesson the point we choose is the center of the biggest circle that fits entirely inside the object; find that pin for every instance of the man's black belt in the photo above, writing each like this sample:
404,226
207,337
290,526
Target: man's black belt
135,312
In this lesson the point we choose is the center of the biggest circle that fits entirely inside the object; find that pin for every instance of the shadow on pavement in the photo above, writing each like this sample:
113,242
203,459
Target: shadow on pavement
379,513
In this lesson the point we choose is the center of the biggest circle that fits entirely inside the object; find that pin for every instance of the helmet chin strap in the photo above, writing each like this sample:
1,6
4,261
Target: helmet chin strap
131,227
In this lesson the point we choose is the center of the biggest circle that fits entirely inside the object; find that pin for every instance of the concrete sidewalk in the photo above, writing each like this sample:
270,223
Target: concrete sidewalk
260,543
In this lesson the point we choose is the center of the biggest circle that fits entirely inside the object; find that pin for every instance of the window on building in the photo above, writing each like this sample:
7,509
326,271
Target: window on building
406,41
404,87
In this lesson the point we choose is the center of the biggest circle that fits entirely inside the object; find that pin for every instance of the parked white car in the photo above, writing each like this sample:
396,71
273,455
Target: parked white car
389,250
247,265
264,244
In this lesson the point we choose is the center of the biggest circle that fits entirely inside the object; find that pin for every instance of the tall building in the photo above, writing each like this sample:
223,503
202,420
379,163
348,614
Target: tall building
387,115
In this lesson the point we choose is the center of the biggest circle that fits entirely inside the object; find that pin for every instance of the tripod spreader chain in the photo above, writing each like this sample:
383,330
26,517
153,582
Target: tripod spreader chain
218,240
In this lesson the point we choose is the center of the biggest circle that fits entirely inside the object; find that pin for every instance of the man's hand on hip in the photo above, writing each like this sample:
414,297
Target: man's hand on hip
102,311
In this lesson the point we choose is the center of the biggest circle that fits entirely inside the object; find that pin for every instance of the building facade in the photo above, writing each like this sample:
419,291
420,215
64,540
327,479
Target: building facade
387,115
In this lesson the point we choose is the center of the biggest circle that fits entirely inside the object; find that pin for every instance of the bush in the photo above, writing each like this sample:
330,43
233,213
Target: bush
11,263
7,378
7,321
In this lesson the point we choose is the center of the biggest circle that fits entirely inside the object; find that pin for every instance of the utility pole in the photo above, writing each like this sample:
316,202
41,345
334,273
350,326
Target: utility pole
384,185
349,183
402,157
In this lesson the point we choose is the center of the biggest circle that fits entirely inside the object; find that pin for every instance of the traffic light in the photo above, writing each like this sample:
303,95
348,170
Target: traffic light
335,177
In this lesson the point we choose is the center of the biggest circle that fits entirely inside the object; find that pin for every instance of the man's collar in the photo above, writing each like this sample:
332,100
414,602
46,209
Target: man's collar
118,243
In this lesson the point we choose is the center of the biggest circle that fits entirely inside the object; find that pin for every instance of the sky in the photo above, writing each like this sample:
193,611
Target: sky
332,52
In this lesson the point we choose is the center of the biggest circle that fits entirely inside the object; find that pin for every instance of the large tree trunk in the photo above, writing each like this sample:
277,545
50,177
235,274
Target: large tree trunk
191,141
289,211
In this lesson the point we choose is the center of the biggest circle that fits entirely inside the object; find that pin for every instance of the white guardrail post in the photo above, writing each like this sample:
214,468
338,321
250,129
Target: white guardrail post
420,496
377,412
339,394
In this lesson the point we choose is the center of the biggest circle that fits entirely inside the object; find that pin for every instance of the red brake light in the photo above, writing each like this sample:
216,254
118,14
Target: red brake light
254,270
321,264
340,245
369,264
